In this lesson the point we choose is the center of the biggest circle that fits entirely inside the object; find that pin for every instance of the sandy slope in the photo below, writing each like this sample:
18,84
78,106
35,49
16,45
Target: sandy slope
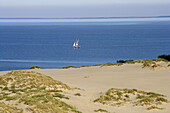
94,80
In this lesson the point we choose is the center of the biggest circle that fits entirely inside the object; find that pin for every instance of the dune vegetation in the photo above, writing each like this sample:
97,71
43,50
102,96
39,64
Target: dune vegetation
145,62
77,94
166,57
9,109
35,67
101,110
25,91
120,97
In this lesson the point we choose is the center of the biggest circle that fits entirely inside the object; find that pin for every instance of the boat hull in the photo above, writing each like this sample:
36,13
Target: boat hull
76,46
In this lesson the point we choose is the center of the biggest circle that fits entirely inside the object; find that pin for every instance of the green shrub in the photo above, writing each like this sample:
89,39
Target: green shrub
8,98
77,94
159,59
86,66
97,64
127,96
147,63
109,64
166,57
124,61
35,67
101,110
60,95
54,90
13,90
162,99
13,87
5,88
154,107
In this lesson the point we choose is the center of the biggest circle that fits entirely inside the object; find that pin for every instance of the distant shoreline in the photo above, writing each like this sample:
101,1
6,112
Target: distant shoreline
92,17
145,62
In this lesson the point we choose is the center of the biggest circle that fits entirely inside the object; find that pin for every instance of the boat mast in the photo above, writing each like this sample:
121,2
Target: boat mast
77,42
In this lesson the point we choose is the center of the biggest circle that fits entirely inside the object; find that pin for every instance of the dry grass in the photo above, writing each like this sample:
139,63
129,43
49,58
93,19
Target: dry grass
30,79
159,60
41,93
119,97
101,65
86,76
67,67
156,66
9,109
154,107
146,63
101,110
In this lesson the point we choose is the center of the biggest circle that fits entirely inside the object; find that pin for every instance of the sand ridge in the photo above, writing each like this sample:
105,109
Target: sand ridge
91,82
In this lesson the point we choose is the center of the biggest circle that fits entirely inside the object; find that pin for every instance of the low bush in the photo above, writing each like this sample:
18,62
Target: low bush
35,67
101,110
77,94
124,61
166,57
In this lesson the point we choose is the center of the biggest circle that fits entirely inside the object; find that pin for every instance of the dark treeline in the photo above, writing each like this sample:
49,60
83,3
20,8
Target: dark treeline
166,57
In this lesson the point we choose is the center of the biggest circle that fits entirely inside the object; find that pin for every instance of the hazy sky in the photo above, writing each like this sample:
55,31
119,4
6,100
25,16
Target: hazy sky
83,8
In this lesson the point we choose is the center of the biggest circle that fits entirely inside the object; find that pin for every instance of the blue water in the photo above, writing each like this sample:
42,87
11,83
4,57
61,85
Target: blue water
48,43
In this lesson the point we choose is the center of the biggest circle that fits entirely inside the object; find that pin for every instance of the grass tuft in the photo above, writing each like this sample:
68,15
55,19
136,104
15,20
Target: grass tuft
154,107
118,97
9,109
77,94
35,67
41,93
101,110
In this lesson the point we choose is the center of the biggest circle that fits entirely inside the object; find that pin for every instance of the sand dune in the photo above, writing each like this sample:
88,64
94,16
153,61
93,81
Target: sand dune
91,82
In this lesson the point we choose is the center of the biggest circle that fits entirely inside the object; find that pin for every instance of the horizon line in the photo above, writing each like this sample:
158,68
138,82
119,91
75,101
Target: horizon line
82,17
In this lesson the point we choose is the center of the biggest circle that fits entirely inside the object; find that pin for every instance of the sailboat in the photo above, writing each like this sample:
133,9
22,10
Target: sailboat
76,45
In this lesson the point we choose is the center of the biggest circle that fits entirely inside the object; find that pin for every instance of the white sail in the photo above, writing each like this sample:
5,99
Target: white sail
74,44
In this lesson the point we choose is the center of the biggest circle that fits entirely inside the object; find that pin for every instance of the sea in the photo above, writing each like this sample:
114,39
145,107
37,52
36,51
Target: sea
48,42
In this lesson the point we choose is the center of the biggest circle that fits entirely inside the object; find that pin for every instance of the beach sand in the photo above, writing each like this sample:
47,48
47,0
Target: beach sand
94,81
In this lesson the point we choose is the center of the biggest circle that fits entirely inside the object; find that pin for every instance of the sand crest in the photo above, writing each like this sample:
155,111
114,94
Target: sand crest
89,83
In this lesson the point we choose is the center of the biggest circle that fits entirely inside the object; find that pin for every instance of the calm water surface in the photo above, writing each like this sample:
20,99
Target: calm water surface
48,42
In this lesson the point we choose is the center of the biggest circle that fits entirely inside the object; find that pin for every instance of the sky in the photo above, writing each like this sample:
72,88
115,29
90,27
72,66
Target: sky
83,8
